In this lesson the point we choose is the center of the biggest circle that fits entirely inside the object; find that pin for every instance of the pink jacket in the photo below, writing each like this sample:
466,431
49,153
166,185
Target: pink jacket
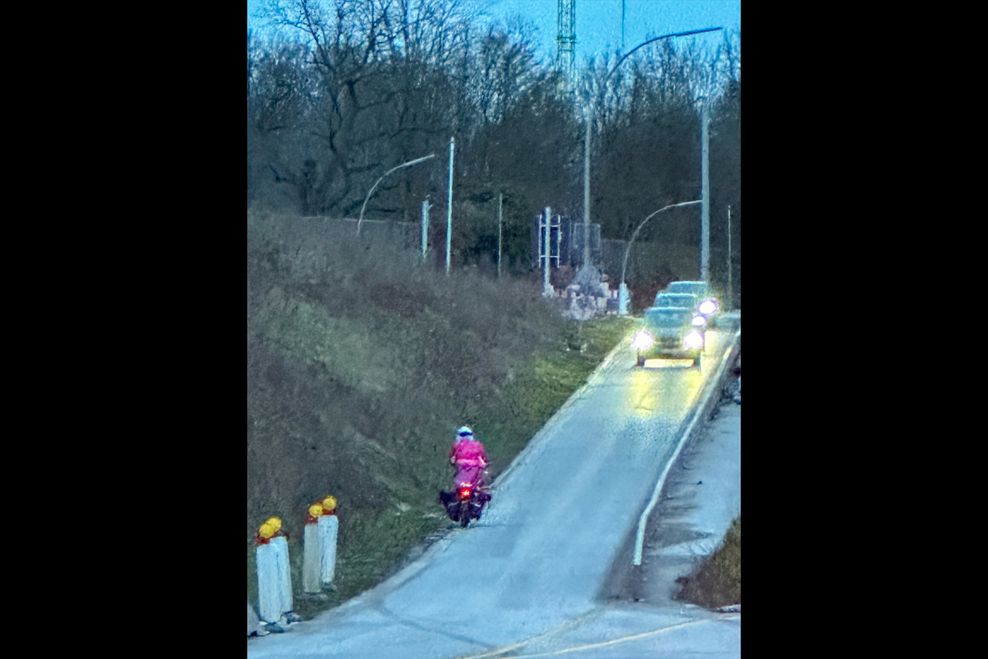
468,453
470,458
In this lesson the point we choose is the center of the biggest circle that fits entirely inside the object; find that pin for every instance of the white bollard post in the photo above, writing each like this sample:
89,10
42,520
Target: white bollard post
329,526
312,547
280,544
268,576
623,299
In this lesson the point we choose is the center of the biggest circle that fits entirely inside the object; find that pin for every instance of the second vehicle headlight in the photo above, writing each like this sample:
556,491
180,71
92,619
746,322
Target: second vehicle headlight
708,307
693,340
699,321
642,340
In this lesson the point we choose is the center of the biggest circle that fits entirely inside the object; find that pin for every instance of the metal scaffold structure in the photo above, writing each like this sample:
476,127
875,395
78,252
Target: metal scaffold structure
566,40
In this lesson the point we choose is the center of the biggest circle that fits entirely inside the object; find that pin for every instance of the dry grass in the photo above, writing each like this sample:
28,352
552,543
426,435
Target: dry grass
362,361
717,581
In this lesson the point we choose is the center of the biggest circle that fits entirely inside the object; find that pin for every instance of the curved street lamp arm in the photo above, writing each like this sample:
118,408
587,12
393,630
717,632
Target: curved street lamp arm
627,251
664,36
374,187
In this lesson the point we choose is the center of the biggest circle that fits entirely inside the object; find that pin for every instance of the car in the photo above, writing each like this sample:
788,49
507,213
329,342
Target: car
663,299
707,306
687,300
668,332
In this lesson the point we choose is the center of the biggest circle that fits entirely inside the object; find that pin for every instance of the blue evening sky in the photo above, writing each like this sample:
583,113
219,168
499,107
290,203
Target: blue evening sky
598,22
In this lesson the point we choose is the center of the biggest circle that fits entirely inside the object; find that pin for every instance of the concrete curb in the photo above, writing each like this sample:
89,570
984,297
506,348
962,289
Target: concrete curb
702,413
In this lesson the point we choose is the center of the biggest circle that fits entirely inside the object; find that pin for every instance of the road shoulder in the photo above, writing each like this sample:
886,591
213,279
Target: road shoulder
700,499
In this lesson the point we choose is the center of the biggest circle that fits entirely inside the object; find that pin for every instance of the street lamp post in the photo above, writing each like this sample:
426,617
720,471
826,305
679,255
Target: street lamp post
449,205
591,109
730,287
705,195
374,187
623,289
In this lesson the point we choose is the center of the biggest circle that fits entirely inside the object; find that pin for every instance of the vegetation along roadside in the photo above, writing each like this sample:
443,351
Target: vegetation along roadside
362,361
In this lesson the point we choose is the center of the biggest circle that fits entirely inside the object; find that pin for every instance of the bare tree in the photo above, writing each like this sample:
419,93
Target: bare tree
374,60
353,87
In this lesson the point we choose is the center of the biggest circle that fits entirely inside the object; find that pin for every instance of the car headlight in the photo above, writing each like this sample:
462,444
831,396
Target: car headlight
699,321
693,340
642,340
708,307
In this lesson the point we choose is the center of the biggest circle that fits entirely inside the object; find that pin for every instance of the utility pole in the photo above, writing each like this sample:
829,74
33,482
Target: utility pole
566,40
586,196
705,216
622,26
449,206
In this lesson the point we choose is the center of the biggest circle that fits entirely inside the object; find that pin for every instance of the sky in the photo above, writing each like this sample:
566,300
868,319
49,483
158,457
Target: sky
598,22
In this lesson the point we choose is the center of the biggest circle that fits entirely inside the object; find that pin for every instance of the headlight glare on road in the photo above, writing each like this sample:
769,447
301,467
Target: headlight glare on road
642,340
708,306
693,340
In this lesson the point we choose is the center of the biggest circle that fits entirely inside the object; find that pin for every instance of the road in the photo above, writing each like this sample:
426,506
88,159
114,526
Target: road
530,576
